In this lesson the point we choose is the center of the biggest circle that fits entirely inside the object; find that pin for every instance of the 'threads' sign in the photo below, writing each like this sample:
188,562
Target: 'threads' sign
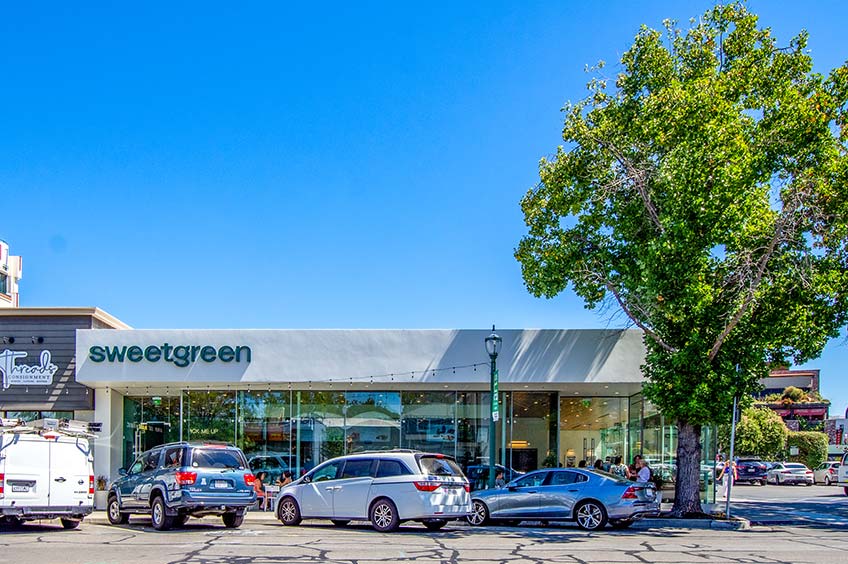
15,374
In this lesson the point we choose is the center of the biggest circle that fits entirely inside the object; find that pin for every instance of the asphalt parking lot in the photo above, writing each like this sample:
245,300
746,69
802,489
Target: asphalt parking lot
798,525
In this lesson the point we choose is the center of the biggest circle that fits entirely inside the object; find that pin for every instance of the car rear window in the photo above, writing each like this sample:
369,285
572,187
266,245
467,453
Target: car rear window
795,466
436,466
216,458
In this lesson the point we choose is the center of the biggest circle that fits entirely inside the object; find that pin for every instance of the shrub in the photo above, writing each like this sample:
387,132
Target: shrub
812,447
794,394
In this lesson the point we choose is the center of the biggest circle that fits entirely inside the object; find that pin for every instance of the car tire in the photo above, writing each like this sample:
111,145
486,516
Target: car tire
590,515
288,512
159,517
621,523
114,513
233,520
11,521
70,523
384,515
827,480
845,490
435,525
340,522
480,513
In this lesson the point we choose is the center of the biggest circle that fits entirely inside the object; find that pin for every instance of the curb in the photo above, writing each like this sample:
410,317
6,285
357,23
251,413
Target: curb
737,524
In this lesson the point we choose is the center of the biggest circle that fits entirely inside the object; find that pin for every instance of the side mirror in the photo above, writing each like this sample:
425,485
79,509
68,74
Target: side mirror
122,471
306,479
512,487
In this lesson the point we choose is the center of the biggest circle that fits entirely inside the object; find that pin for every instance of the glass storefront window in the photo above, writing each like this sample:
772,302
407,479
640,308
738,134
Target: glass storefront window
372,421
319,426
429,421
592,428
530,431
148,422
209,416
265,431
472,438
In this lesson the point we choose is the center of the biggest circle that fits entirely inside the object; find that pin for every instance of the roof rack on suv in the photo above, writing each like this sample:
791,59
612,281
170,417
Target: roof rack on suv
386,451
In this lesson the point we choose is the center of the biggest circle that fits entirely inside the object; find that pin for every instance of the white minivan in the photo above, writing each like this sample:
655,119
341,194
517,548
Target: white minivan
385,487
46,471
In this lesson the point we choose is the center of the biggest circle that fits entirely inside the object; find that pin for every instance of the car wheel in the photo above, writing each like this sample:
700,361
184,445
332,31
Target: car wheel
845,489
159,517
480,513
384,516
340,522
11,521
620,523
590,516
113,512
70,523
288,512
827,480
233,520
435,525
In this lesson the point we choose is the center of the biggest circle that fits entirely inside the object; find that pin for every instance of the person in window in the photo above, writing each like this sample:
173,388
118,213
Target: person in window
259,488
644,473
175,459
499,479
285,479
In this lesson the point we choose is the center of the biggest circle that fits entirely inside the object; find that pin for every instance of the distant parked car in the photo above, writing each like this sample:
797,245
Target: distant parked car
790,473
272,464
175,481
825,473
752,471
592,498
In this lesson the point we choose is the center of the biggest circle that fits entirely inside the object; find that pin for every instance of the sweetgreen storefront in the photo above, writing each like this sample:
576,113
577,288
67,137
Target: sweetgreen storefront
296,398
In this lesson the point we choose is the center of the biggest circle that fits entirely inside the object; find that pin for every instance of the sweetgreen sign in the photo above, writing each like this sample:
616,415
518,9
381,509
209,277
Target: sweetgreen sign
180,355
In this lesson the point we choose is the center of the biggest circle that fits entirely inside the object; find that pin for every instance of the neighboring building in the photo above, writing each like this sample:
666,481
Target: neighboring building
837,435
307,395
11,270
794,413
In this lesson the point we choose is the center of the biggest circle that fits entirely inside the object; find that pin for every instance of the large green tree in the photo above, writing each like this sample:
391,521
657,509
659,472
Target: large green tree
704,196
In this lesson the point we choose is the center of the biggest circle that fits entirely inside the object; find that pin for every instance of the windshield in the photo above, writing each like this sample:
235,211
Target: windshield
217,458
436,466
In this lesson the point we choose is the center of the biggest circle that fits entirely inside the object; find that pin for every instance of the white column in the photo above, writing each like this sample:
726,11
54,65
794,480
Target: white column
108,447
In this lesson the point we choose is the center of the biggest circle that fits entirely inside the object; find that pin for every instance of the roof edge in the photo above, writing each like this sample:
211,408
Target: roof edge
95,312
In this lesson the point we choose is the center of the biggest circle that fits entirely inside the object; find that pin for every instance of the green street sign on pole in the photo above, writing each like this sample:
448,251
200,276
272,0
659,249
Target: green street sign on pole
495,412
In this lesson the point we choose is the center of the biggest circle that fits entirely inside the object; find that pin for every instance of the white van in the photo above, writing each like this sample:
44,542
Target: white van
46,471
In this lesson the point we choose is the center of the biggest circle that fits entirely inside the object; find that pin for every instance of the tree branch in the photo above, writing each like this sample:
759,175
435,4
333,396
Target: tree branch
648,331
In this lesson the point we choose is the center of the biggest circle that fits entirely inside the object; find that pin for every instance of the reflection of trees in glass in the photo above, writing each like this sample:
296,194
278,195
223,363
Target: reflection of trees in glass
210,415
264,421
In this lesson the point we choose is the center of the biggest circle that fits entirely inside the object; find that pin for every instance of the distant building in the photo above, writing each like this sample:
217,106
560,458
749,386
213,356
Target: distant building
11,268
812,408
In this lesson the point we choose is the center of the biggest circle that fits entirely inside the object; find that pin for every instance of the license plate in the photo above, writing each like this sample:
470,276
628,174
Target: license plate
20,488
751,470
220,484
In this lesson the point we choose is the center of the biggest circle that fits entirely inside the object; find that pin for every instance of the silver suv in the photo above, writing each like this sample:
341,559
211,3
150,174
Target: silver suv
385,487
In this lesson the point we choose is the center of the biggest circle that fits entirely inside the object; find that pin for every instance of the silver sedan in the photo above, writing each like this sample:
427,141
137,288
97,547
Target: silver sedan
592,498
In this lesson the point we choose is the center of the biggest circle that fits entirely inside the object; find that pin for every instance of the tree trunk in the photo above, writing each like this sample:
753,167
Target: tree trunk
687,495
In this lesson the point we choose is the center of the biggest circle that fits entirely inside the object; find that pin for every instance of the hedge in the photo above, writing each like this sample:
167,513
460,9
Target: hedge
812,447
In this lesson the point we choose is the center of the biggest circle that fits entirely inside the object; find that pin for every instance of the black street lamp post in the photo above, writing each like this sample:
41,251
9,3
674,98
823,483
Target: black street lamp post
493,347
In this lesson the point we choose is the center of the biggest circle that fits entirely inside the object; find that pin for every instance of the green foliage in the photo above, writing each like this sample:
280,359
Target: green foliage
793,393
759,432
705,197
812,447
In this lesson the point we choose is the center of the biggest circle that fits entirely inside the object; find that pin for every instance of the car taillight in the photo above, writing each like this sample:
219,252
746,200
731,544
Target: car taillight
186,478
91,485
630,493
427,486
2,483
467,487
249,479
808,472
832,470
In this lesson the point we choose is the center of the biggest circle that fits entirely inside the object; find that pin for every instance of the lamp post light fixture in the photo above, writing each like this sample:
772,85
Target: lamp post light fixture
493,347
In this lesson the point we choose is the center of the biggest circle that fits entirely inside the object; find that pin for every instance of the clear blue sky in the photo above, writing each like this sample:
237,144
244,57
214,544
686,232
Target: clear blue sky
358,165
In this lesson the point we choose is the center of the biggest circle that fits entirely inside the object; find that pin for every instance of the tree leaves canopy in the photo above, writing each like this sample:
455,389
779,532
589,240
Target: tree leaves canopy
705,197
